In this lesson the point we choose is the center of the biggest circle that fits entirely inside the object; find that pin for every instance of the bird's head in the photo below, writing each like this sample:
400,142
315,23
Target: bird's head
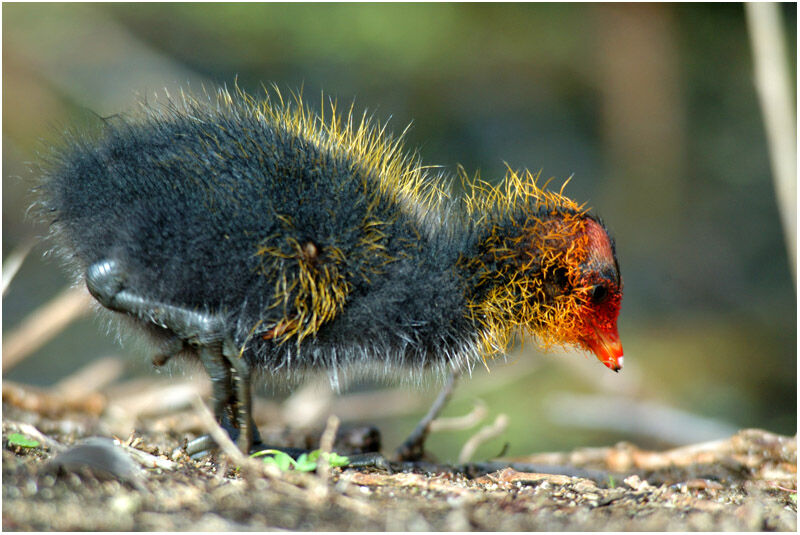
544,265
597,286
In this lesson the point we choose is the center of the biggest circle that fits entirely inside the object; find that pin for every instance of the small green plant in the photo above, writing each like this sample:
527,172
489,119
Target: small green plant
306,462
16,439
612,483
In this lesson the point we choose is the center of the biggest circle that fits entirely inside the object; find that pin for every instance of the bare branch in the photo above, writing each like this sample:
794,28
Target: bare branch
14,261
43,324
459,423
771,64
217,433
485,434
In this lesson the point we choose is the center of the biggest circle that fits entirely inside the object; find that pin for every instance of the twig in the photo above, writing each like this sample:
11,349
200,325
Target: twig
150,399
488,467
43,324
459,423
486,433
31,432
771,65
14,262
148,460
774,484
326,446
91,378
78,391
45,402
217,433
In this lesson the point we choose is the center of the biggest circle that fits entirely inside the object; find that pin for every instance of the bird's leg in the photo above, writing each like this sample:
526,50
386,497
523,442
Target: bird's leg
221,382
207,334
229,373
243,408
414,446
232,398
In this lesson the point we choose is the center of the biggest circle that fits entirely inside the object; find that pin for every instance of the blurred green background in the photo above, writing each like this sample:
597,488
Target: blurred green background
651,107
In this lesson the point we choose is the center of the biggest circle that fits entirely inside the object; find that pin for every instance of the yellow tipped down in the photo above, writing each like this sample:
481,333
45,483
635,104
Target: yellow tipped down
547,236
307,293
514,194
310,292
400,175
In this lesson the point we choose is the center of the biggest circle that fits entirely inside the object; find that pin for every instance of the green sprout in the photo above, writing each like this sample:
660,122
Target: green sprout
306,462
16,439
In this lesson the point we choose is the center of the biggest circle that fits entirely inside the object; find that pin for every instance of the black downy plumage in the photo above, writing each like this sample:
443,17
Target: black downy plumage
262,236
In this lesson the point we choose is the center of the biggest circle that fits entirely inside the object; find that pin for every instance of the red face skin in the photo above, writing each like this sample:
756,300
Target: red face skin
598,318
600,335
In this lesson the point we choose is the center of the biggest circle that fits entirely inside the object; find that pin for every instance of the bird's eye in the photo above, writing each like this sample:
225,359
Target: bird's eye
599,293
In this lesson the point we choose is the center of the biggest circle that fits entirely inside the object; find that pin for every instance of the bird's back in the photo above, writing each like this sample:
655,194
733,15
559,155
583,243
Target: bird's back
293,235
179,200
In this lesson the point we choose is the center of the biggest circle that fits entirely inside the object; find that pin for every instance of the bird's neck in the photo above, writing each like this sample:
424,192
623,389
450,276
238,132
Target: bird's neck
513,270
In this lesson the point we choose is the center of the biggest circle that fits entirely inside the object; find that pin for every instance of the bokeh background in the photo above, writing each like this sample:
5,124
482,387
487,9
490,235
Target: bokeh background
651,108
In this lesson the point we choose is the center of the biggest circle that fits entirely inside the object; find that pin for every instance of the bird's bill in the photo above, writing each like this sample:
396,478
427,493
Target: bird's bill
607,347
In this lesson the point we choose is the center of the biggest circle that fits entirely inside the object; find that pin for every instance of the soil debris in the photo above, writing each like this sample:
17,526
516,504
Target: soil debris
747,482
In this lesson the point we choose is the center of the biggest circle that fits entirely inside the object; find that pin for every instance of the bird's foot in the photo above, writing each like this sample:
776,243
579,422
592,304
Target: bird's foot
206,334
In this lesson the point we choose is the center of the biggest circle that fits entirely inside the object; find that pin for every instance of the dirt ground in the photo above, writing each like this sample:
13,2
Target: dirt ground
747,482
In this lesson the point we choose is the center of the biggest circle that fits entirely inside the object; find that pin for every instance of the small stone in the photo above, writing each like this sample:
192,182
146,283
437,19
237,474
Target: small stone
636,483
125,504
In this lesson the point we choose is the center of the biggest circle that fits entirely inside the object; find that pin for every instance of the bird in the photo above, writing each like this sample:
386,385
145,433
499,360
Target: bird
260,236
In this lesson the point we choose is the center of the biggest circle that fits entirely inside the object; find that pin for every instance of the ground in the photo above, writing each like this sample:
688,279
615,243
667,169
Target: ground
746,482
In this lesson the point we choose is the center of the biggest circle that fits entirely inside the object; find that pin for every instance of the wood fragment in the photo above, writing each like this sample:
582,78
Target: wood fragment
31,431
460,423
509,475
217,433
326,446
764,454
91,378
486,433
51,403
13,262
773,80
155,399
148,460
636,483
43,324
